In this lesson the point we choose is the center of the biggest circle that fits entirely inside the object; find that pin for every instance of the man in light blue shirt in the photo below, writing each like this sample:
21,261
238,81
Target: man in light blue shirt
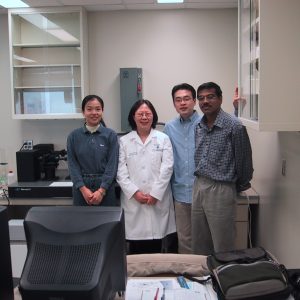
182,135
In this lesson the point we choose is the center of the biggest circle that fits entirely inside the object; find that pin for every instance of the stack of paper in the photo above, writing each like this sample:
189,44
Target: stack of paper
167,289
144,289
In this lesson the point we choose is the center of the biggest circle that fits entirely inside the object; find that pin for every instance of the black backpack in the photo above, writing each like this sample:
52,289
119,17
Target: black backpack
248,274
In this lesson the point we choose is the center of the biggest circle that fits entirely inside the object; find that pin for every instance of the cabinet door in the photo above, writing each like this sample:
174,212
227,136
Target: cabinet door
269,64
249,59
47,63
241,241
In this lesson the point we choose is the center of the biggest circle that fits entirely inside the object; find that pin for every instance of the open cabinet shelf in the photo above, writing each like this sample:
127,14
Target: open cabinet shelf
48,58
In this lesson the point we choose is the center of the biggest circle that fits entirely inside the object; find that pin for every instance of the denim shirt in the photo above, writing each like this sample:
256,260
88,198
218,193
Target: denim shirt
182,135
93,153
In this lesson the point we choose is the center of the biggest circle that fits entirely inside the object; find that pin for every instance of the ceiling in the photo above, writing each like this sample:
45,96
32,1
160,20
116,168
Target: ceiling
105,5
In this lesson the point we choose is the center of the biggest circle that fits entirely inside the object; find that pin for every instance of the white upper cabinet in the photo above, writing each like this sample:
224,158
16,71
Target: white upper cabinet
48,49
269,64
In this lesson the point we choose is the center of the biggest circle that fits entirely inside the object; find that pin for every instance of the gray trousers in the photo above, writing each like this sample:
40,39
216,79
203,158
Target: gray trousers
213,216
183,226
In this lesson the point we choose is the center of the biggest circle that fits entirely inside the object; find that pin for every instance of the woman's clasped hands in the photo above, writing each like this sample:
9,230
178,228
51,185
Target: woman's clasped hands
144,198
92,198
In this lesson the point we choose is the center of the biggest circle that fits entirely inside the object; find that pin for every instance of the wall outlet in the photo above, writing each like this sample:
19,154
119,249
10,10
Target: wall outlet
27,145
283,167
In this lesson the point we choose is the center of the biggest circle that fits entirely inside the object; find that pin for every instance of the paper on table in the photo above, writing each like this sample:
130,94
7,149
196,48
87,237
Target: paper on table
206,289
150,294
196,291
184,294
169,284
61,183
140,289
145,289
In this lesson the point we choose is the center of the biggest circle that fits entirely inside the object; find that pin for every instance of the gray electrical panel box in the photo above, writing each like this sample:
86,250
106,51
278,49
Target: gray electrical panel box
131,90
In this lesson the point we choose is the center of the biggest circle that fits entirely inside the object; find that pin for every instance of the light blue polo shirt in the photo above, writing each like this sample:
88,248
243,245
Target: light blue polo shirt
182,136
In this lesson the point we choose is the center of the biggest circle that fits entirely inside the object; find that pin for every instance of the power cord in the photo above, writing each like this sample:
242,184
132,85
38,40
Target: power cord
22,146
249,221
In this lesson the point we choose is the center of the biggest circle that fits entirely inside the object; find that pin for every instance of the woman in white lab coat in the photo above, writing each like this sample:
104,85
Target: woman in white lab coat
144,172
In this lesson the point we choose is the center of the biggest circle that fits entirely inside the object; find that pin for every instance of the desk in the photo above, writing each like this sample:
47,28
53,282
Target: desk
18,207
246,201
250,196
17,295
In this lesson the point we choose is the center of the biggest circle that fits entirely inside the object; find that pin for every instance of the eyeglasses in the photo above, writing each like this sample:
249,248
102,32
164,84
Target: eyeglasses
209,97
141,115
184,99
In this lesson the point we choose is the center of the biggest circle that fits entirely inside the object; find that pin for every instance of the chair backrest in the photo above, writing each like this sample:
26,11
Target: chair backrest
74,253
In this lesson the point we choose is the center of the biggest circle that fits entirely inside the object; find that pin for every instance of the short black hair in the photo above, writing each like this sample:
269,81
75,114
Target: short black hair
183,86
135,107
88,98
208,86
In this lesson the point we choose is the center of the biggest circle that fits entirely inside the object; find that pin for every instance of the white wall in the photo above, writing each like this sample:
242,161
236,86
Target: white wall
172,46
278,215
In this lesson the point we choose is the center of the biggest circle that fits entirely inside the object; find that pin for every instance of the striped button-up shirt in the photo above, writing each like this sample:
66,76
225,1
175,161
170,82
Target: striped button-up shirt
223,152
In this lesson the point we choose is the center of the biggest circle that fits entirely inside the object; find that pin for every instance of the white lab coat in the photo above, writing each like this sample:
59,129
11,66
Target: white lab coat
146,167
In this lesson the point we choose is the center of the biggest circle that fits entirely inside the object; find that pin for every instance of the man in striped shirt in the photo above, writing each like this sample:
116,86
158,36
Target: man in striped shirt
223,160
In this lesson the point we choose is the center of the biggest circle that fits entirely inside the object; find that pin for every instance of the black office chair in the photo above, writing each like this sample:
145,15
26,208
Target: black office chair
6,281
74,253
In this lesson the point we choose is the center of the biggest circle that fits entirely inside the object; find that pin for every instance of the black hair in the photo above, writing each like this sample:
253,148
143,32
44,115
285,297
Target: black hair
208,86
183,86
135,107
88,98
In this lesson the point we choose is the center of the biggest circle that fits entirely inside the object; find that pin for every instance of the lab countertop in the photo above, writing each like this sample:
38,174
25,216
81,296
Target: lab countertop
250,196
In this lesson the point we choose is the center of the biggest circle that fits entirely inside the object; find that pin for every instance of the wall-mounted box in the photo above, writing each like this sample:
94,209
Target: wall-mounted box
131,90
